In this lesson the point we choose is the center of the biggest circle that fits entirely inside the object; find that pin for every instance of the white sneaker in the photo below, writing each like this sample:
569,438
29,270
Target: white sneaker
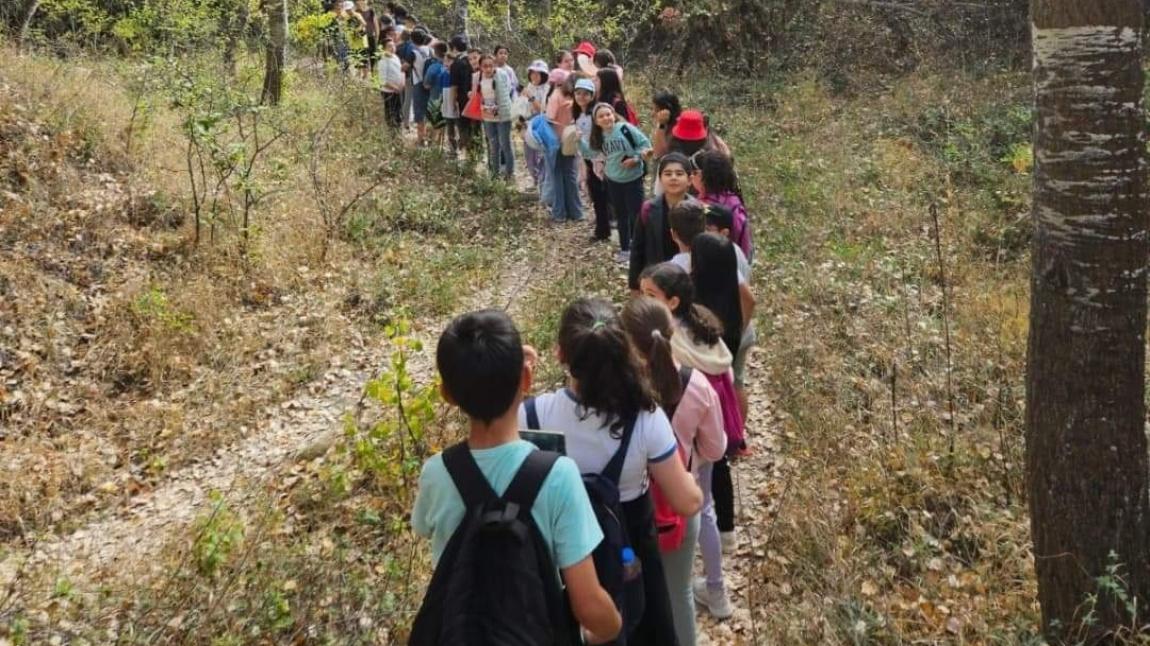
728,541
715,601
623,257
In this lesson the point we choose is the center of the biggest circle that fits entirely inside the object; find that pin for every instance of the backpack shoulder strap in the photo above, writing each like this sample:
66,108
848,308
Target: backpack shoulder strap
629,136
685,375
469,480
684,379
532,414
614,469
645,211
529,479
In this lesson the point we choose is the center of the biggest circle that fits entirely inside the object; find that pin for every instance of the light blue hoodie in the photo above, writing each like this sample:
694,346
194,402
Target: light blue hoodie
616,148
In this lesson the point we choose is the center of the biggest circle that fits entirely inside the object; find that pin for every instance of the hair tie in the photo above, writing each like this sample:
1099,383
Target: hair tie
597,324
656,334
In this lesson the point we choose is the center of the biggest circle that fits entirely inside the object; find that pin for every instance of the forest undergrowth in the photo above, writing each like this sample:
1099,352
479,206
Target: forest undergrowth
891,245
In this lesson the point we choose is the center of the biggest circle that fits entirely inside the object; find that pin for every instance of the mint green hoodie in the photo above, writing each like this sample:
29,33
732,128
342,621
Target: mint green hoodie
616,148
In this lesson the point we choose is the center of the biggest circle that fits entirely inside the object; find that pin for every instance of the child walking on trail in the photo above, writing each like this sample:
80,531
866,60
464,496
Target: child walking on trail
562,172
626,150
391,85
720,286
721,221
485,370
697,419
608,412
494,87
714,179
688,225
653,243
420,93
536,94
460,127
698,343
593,165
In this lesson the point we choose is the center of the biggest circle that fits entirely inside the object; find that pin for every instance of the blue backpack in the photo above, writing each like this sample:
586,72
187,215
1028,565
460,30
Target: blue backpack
544,133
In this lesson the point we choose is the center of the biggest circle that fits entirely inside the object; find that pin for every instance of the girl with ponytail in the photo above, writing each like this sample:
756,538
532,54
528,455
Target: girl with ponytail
696,417
607,395
698,343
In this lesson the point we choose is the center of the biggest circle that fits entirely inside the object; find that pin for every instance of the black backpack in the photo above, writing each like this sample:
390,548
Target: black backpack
496,584
603,490
630,137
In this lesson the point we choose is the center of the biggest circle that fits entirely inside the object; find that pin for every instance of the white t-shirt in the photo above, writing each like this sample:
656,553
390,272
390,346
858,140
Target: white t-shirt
421,55
590,445
390,73
683,259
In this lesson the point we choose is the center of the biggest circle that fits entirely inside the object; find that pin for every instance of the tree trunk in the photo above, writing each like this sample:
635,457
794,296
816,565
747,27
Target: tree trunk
1086,449
275,51
26,22
461,18
233,24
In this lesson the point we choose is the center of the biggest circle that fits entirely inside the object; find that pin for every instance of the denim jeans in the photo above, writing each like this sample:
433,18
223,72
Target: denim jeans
500,154
564,178
678,569
626,202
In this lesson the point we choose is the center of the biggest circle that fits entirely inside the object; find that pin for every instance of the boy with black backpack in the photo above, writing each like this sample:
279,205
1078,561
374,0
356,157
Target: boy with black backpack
502,516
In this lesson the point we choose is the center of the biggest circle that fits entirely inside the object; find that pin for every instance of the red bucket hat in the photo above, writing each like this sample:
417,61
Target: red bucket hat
690,126
585,47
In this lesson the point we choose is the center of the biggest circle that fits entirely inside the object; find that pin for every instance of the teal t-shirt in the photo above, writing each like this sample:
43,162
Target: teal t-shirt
562,510
617,147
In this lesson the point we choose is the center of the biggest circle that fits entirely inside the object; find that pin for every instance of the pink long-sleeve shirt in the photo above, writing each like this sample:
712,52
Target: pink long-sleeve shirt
698,421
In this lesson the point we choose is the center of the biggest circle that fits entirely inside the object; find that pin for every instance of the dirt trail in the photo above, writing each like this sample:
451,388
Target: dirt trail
756,481
126,537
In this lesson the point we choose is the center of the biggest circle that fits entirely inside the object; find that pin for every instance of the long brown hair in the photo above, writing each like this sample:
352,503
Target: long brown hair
649,327
595,348
700,322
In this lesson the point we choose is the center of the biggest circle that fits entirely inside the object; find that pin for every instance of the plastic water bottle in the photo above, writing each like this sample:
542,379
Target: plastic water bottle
632,566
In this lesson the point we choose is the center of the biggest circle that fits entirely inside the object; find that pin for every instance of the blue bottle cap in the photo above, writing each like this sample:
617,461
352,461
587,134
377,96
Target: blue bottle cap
628,555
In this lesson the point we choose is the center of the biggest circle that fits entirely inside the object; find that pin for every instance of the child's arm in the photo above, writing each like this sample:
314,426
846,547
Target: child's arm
679,486
722,146
643,143
590,603
659,142
638,250
746,303
710,438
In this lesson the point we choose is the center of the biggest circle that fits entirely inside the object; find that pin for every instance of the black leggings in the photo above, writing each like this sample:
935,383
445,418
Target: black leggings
657,627
626,202
393,109
598,190
723,493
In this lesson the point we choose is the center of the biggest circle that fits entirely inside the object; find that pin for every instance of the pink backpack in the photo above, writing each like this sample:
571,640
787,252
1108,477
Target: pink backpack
724,387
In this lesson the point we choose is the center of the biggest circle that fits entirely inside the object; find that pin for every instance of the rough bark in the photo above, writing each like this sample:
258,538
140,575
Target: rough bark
233,24
461,18
26,22
1086,449
275,51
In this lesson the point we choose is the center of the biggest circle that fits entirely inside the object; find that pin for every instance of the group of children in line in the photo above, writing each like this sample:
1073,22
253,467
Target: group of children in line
654,405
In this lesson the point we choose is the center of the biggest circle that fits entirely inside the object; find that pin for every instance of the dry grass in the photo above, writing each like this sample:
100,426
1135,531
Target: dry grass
882,534
127,350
